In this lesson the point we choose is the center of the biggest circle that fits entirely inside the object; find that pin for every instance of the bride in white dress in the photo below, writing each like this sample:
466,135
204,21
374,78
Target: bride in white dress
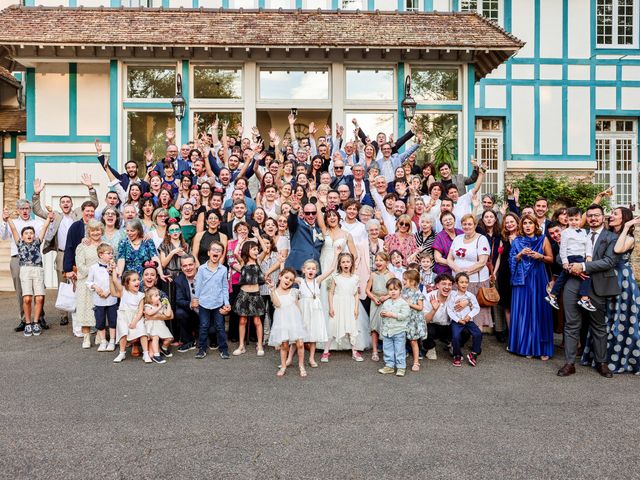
334,236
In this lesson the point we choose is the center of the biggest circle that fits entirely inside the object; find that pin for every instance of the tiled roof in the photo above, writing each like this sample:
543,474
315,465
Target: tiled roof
13,120
6,76
250,28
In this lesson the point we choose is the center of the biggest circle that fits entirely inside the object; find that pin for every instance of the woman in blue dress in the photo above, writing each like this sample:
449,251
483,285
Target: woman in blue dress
531,330
623,341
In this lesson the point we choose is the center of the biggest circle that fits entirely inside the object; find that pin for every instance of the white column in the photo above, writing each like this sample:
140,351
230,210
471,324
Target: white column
337,94
250,90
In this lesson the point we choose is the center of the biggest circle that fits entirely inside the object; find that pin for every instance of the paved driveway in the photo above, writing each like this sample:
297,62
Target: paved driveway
68,413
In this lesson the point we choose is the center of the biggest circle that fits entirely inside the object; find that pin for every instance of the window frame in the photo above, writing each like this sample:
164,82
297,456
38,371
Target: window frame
125,74
635,17
421,67
279,103
480,11
365,104
199,101
498,135
612,137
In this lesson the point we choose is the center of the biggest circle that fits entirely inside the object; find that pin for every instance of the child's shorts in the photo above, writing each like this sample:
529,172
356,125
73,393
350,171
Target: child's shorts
32,281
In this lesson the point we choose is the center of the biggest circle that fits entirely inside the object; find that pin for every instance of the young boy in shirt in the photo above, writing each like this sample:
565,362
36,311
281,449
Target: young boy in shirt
105,304
395,315
575,247
463,320
31,269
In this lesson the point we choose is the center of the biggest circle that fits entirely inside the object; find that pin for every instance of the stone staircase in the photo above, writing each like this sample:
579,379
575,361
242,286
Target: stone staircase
6,285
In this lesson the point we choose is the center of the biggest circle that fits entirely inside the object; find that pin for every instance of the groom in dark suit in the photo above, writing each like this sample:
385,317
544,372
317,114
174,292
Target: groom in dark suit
604,283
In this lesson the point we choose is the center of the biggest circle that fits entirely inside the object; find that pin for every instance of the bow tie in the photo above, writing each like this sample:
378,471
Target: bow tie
103,266
578,230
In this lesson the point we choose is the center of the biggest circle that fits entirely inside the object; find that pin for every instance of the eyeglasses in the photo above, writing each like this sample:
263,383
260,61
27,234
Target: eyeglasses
310,213
403,224
594,215
338,168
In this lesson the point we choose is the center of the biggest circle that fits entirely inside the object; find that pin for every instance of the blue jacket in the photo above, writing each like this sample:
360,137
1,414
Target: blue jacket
306,242
182,166
74,237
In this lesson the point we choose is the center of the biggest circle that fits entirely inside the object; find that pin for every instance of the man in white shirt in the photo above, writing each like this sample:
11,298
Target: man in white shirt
24,220
462,204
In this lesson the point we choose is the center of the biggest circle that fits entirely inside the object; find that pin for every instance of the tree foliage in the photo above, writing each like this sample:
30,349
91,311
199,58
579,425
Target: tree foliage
557,190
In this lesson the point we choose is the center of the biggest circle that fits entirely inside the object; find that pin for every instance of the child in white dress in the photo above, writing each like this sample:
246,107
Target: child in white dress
130,325
344,305
287,321
156,328
311,306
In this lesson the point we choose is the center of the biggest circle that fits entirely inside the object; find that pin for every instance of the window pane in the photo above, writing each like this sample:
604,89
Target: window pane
353,5
379,84
211,82
151,82
316,4
388,5
147,130
275,4
371,123
412,5
207,119
294,85
434,85
243,4
441,134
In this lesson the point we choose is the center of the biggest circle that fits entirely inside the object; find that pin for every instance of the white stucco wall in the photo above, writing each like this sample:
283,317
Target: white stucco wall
93,98
52,99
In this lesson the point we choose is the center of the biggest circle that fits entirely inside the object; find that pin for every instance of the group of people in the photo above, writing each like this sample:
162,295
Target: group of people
326,242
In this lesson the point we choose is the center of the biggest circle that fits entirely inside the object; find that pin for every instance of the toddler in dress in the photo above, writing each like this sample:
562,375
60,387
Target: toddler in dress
155,313
287,322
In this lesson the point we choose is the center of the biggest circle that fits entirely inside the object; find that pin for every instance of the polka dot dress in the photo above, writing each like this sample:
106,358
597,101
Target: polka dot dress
623,340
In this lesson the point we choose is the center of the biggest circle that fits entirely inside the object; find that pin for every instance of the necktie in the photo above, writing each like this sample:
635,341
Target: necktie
593,237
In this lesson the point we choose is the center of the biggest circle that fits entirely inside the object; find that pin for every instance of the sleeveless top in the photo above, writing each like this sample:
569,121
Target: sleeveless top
205,241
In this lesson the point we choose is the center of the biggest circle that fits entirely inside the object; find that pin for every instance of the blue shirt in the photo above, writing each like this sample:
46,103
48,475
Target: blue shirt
212,286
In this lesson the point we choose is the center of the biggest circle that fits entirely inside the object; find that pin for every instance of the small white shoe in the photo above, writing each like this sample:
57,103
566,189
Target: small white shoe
102,347
260,352
98,340
87,341
111,347
431,354
146,357
121,356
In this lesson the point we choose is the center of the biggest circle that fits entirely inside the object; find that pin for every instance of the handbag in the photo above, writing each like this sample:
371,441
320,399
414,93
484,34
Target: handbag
488,296
66,300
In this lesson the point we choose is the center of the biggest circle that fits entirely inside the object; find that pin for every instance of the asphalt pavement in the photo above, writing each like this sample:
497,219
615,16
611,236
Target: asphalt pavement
69,413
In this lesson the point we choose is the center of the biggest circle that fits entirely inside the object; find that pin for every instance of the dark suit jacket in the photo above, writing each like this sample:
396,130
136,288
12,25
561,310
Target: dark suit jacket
227,227
183,295
123,177
395,147
182,166
74,237
604,280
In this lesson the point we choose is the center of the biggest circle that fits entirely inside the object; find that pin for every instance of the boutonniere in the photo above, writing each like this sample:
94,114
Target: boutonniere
318,236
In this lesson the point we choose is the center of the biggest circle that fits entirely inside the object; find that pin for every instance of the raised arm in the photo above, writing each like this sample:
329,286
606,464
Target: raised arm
12,227
45,227
38,186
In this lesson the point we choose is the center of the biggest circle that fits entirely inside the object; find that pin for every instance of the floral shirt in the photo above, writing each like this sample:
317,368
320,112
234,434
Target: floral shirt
406,246
134,259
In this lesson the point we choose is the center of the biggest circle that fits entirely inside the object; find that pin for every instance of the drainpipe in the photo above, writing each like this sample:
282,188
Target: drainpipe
2,158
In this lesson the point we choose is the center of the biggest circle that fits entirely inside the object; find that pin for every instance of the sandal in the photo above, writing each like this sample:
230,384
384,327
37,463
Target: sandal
303,372
544,358
415,367
313,364
375,357
281,372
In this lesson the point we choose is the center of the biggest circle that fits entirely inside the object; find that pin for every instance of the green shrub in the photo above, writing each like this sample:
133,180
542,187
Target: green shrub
558,190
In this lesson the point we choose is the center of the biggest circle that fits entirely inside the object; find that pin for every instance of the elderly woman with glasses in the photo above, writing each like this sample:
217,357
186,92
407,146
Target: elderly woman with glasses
402,240
134,250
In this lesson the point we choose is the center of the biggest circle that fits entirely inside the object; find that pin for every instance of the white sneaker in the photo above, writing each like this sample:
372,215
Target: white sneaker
87,341
102,347
260,352
146,357
121,356
431,354
111,347
98,340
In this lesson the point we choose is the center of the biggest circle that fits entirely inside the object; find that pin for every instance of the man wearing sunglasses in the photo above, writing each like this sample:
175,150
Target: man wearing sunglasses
306,237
